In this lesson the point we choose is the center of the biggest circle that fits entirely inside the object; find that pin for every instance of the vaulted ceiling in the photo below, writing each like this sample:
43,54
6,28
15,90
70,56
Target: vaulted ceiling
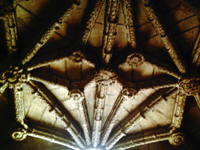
99,74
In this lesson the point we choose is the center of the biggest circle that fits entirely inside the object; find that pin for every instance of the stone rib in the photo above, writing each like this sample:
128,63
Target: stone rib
19,103
44,135
50,101
93,17
98,113
3,88
133,141
76,57
110,30
79,97
166,39
11,32
45,77
125,95
136,116
178,110
164,67
195,53
129,21
158,83
47,31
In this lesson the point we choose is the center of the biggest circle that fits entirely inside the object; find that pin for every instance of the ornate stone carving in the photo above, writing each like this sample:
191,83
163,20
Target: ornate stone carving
19,135
135,60
11,76
11,32
136,116
130,22
78,96
110,30
190,84
177,139
15,76
106,77
178,110
166,39
77,57
67,122
132,141
19,103
93,17
126,94
47,32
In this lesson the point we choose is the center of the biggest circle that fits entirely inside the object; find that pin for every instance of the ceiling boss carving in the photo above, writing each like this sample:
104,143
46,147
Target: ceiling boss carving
101,96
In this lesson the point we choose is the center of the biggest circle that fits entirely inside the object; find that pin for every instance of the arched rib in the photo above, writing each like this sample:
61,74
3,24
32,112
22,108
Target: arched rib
126,94
101,93
47,31
147,137
59,111
178,110
46,77
45,135
155,18
93,18
137,115
160,65
195,53
19,103
129,21
11,32
3,88
79,97
110,30
157,83
76,56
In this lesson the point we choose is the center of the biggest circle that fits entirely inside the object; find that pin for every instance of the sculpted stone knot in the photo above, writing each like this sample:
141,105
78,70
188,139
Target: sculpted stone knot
77,95
77,57
177,139
13,75
190,85
129,93
19,135
135,59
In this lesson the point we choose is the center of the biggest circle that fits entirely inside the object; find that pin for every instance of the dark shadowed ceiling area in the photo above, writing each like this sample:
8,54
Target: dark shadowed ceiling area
99,74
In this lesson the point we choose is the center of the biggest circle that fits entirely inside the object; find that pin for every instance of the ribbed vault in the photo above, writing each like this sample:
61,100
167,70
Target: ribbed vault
102,74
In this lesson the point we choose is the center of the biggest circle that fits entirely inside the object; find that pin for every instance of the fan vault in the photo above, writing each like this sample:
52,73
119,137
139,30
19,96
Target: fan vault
103,90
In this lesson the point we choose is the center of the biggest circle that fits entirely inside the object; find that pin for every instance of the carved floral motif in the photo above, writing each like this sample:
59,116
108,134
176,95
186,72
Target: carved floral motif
135,60
177,139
